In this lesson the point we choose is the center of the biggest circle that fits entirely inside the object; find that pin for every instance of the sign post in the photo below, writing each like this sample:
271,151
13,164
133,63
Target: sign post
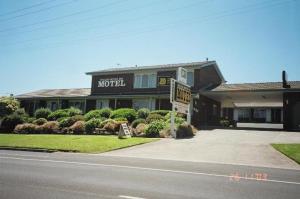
180,97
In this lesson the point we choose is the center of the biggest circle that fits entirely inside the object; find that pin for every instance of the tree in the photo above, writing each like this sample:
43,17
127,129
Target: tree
8,105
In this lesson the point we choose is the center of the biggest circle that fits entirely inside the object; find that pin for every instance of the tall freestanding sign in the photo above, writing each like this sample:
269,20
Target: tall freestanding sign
180,97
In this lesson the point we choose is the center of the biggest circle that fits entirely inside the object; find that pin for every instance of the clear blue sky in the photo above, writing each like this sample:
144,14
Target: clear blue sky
51,44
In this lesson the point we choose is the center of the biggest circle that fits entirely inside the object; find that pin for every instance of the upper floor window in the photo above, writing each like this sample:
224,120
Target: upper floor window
190,78
145,80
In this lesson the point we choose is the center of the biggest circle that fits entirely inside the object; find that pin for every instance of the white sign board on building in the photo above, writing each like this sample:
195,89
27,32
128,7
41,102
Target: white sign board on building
182,75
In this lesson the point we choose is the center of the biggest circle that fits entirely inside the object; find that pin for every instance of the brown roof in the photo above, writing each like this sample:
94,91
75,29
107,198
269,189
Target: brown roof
74,92
256,86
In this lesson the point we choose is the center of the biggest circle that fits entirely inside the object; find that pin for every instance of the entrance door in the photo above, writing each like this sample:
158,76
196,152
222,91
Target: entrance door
276,115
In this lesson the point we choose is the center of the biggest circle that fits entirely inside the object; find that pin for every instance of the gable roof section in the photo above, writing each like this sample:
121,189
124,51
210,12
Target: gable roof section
159,67
255,86
48,93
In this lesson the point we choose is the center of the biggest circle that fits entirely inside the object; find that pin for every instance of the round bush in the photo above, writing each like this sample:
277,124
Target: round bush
29,119
184,131
78,127
98,113
42,113
40,121
154,128
177,120
137,122
58,114
128,113
69,121
11,121
91,125
143,113
154,117
73,111
26,128
160,112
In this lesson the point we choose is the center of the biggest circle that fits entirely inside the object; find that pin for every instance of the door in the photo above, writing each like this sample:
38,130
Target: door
296,116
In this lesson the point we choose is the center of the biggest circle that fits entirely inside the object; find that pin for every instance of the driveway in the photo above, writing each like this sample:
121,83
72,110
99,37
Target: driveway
243,147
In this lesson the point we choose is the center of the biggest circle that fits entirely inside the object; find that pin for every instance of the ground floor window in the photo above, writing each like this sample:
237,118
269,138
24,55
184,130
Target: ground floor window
52,105
143,103
77,104
243,115
102,103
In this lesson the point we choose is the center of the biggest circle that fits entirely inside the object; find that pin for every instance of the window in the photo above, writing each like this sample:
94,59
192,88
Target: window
77,104
52,105
102,104
243,115
144,103
145,80
190,78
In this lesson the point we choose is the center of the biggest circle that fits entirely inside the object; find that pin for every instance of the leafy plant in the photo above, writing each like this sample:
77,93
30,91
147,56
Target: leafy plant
91,125
160,112
9,122
40,121
128,113
154,117
137,122
8,105
69,121
143,113
98,113
78,127
48,127
42,113
154,128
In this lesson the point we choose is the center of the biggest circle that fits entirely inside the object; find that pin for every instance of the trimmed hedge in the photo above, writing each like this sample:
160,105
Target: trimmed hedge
42,113
154,117
143,113
48,127
92,124
40,121
78,127
69,121
128,113
137,122
60,113
25,128
98,113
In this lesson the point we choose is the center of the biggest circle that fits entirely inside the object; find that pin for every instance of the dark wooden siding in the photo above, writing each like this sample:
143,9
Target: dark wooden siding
206,78
291,111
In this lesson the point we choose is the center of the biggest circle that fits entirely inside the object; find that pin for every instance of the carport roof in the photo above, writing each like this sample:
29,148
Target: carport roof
255,86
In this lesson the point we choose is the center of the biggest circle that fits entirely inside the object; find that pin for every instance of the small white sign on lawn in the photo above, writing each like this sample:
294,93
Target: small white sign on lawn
124,131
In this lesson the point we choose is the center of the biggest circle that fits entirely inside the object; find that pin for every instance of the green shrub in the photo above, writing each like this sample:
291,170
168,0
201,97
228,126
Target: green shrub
29,119
180,115
154,128
48,127
58,114
225,122
8,105
11,121
42,113
91,125
40,121
154,117
143,113
184,131
121,119
128,113
137,122
177,120
25,128
98,113
105,122
78,127
69,121
160,112
73,111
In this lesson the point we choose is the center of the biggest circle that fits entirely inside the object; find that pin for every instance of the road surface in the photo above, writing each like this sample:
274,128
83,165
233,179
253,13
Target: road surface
64,175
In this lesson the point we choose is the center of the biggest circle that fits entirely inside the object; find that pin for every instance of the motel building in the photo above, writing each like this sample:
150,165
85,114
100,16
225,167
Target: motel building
271,104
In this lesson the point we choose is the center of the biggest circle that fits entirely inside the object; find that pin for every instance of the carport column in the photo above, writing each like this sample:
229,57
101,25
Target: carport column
268,115
235,114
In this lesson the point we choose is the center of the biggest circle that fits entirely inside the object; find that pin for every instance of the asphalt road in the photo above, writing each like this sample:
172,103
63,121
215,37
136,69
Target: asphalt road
62,175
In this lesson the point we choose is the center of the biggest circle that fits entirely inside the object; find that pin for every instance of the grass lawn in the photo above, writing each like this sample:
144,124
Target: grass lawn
75,143
290,150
